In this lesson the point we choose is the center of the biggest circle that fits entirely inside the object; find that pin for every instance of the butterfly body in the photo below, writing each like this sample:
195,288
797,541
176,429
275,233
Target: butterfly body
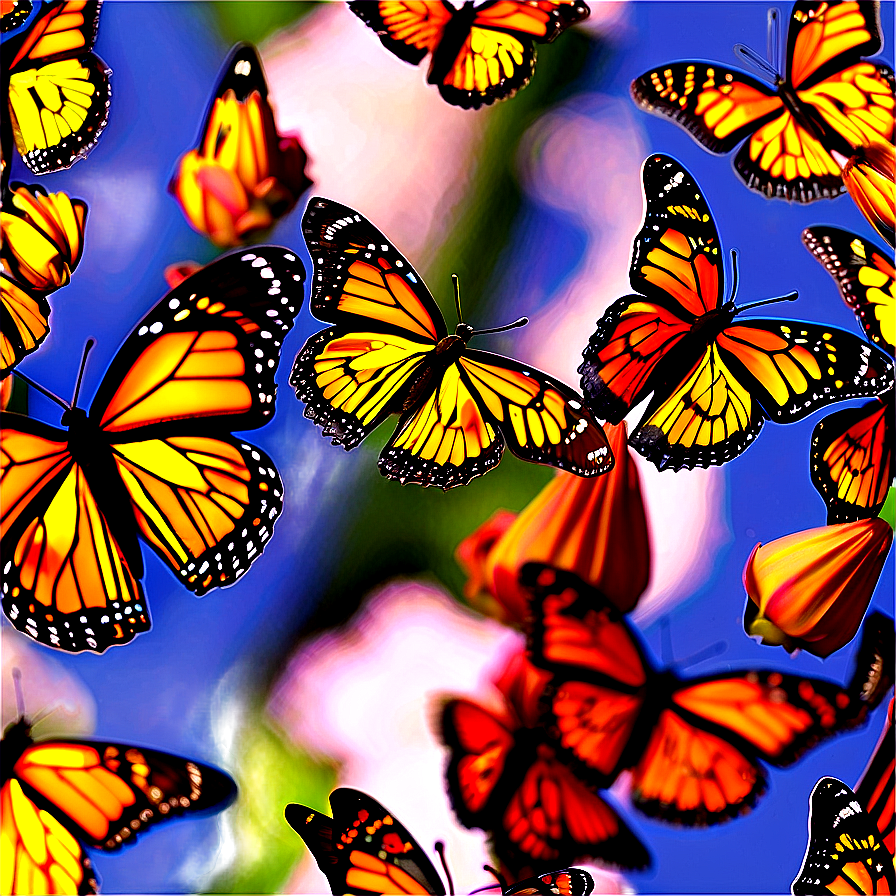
829,102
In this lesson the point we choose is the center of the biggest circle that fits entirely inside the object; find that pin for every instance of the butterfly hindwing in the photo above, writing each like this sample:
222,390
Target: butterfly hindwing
58,90
363,849
40,855
24,322
845,854
875,790
406,28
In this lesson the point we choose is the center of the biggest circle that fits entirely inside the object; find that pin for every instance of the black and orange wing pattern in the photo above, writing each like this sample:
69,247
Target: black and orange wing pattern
830,99
63,794
693,746
851,459
512,783
480,54
24,322
58,90
363,849
715,380
875,790
845,853
565,882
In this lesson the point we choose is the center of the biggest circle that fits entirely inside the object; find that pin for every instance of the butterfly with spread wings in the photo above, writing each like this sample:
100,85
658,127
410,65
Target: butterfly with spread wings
507,778
715,378
693,746
845,853
59,795
851,461
365,850
479,53
389,352
829,101
58,91
42,241
155,459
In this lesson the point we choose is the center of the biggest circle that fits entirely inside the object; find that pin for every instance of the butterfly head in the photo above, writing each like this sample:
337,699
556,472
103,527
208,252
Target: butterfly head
16,739
464,331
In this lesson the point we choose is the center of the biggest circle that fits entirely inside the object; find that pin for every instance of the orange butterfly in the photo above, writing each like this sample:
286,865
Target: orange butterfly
154,459
389,352
875,790
508,778
716,377
829,101
479,53
851,461
844,855
58,795
692,746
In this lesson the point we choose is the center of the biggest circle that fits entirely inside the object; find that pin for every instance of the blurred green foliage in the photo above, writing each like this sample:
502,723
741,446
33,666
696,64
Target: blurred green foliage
888,511
251,21
271,773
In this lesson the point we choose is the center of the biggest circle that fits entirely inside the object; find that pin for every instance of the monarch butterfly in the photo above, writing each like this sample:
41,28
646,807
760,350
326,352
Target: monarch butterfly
43,237
875,789
715,380
58,795
851,459
506,777
828,102
390,352
845,853
74,503
364,849
479,53
58,91
692,746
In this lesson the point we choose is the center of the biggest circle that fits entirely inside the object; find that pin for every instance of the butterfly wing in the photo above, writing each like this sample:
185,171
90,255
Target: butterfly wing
354,375
875,790
496,54
408,28
538,812
865,276
107,793
58,90
565,882
851,459
24,323
363,849
677,266
70,577
40,855
844,854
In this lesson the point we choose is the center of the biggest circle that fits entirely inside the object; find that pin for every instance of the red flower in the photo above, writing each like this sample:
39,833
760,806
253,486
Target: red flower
811,589
596,528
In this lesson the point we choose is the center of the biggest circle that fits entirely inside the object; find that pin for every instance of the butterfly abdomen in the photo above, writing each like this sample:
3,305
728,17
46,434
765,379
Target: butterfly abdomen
456,32
447,352
92,452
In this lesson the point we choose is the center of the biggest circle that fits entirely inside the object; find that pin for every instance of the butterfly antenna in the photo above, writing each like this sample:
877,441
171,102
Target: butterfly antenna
701,655
17,685
502,883
666,641
440,849
39,388
90,344
790,297
756,62
774,39
521,322
460,314
734,274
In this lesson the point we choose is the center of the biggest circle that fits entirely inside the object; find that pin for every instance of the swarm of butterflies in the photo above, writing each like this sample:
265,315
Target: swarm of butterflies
155,460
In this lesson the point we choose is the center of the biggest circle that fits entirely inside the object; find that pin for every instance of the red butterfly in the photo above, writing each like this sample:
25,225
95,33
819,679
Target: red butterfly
692,746
505,777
